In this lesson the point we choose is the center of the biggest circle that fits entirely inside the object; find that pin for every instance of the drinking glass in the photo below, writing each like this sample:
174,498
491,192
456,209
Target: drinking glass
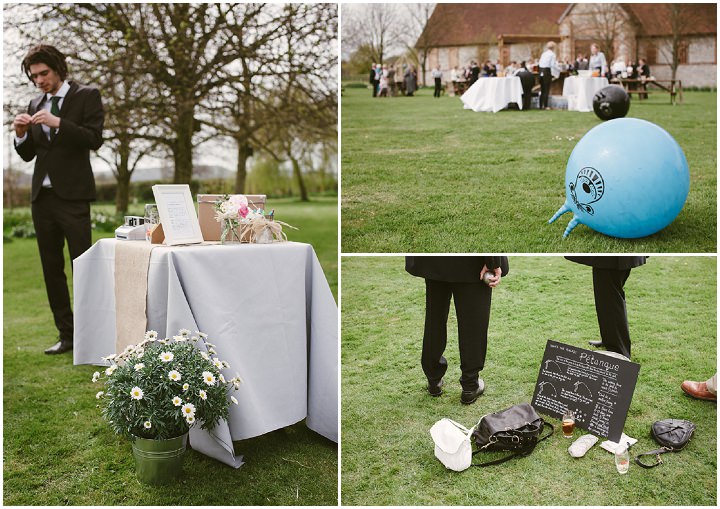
622,459
568,423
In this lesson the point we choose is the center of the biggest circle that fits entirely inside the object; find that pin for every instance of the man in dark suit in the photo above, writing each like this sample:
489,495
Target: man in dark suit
460,278
609,276
60,128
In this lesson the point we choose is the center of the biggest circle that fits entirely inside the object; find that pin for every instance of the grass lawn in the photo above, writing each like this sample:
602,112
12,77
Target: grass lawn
423,175
59,451
387,452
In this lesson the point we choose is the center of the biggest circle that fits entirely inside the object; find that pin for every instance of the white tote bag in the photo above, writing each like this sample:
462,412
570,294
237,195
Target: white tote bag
452,444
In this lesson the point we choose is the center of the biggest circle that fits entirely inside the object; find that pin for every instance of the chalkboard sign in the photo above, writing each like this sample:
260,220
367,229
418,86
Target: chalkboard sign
598,388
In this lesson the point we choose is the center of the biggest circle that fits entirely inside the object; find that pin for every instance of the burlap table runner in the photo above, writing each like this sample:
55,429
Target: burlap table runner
132,261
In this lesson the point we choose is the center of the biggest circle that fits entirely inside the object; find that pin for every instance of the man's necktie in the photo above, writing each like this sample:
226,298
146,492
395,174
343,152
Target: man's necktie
55,110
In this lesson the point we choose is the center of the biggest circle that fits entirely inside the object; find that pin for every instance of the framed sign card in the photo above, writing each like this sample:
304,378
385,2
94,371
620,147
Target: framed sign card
177,214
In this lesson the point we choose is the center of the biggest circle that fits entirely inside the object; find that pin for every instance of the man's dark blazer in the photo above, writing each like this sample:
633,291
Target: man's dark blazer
454,269
610,262
66,157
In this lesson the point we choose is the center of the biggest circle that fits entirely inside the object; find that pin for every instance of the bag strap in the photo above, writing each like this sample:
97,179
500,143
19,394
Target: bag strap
523,452
656,453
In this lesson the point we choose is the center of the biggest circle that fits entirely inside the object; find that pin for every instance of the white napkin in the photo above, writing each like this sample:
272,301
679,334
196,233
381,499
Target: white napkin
582,445
612,446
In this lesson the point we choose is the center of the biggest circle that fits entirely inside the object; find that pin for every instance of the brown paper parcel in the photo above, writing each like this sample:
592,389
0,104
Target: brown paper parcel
209,227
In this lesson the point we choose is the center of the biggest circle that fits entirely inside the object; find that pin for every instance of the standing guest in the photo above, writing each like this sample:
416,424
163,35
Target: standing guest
609,276
474,73
632,70
459,278
372,81
400,82
527,80
581,63
597,60
454,78
618,68
548,68
378,75
383,84
437,76
391,80
62,125
410,81
643,75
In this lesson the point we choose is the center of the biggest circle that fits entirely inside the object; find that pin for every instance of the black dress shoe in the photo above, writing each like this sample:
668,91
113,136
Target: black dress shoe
598,344
60,347
435,388
469,397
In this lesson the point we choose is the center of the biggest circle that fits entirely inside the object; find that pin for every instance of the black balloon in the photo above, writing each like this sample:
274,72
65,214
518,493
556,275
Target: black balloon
611,102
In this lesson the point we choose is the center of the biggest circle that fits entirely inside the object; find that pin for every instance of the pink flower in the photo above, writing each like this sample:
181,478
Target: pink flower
243,211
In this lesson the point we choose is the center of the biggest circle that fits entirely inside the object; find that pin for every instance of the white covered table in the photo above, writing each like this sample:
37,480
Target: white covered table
580,91
269,310
493,94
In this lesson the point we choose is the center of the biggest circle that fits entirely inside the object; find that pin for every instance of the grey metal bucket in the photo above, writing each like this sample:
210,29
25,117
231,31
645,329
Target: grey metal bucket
159,461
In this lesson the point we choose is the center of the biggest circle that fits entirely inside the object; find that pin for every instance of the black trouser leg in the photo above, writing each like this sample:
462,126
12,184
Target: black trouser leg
437,306
608,287
375,87
545,80
472,306
438,87
55,221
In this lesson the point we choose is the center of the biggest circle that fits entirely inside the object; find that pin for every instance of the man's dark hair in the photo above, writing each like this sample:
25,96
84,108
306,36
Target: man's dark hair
48,55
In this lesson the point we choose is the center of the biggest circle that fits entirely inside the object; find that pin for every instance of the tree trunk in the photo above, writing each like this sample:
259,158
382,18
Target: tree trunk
244,152
301,182
183,149
122,195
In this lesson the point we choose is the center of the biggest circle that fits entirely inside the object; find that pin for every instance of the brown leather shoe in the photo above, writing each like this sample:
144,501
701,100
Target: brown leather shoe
698,390
60,347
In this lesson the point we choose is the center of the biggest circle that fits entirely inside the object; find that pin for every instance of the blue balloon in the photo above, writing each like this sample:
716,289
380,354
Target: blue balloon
626,178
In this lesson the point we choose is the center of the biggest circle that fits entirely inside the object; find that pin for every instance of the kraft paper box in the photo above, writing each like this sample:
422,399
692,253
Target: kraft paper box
209,227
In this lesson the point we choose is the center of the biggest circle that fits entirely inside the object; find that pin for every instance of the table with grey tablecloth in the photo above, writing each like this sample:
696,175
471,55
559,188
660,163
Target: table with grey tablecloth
267,307
580,91
493,94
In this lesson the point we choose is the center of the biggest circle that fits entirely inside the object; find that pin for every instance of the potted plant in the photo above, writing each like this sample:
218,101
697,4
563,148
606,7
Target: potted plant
159,389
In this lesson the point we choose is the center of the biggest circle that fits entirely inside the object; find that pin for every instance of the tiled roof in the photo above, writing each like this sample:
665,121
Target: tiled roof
654,19
466,24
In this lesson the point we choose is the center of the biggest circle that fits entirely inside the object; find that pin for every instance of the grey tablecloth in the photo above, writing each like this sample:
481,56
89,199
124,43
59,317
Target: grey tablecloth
269,310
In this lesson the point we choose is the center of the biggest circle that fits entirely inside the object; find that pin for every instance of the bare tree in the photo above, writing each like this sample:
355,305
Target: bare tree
605,23
379,26
419,17
682,19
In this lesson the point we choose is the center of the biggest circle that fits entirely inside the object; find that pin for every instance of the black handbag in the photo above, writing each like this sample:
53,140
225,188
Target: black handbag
672,434
516,429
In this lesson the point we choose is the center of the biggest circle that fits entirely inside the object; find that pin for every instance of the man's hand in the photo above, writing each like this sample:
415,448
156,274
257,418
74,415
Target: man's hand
497,272
47,118
21,124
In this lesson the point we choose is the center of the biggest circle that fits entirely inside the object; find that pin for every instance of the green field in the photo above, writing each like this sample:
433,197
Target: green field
387,452
59,451
423,175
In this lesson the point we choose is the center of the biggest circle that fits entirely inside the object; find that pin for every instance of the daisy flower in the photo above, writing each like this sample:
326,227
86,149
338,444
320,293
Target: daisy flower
186,386
139,366
222,378
96,376
147,425
151,335
218,363
109,371
203,395
188,409
136,393
179,339
167,356
109,357
232,398
202,335
99,395
208,378
174,376
226,364
190,419
184,333
177,401
205,356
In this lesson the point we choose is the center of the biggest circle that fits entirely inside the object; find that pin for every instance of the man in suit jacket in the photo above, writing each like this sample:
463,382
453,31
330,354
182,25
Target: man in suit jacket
60,128
460,278
609,276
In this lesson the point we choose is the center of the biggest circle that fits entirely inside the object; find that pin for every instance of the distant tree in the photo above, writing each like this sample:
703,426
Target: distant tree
605,23
418,17
378,26
682,19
